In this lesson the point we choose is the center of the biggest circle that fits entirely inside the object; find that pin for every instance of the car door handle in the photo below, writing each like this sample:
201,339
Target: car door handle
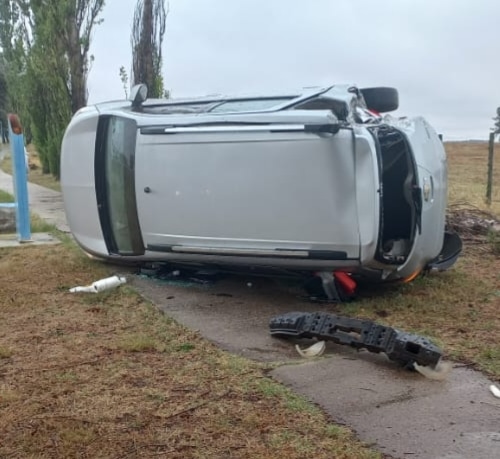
147,190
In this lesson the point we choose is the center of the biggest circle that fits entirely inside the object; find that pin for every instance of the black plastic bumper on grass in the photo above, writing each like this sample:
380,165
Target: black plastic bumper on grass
404,348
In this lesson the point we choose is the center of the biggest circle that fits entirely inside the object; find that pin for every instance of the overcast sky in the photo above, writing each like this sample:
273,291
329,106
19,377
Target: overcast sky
442,55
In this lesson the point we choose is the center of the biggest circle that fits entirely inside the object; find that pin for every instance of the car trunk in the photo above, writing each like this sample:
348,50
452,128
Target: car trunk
282,187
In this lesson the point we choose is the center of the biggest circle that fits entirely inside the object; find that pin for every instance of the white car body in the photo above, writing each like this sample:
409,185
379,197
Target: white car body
310,180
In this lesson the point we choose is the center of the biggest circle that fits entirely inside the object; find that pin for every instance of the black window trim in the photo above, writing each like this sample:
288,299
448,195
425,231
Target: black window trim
102,195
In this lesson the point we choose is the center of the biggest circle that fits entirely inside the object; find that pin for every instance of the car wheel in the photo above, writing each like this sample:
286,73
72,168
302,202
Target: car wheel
381,99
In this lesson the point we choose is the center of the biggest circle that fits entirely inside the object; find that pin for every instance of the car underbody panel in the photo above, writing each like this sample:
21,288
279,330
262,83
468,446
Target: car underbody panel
250,191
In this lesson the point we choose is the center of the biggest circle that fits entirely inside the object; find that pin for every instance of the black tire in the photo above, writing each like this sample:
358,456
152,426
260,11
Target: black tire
381,100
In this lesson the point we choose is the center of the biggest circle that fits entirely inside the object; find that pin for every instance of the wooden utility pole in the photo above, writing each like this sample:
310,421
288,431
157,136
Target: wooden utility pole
491,154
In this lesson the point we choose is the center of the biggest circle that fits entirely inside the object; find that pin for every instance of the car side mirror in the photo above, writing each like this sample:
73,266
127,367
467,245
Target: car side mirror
138,95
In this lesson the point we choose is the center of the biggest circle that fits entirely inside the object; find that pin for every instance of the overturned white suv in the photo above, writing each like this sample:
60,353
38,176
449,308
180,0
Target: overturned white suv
312,180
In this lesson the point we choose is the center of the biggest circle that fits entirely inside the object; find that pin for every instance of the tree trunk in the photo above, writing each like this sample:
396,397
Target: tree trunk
146,44
146,73
77,69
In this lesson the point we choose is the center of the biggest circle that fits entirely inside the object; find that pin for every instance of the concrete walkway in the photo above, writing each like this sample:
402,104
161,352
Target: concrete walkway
400,413
46,203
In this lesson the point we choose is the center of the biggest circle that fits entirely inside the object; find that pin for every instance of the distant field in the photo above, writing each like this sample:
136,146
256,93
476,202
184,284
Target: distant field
468,163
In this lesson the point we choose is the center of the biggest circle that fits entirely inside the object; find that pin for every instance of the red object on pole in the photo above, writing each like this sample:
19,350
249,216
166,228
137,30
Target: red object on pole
15,124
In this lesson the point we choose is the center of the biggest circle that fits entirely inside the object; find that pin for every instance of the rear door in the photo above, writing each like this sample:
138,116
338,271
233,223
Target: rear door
282,186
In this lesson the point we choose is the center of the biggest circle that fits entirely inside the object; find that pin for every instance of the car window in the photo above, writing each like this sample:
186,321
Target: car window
248,105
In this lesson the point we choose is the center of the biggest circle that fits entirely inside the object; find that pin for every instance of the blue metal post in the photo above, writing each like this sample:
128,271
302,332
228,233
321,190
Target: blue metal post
20,186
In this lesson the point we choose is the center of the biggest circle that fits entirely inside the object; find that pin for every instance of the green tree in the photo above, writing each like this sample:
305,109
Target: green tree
148,30
46,46
77,21
124,80
15,42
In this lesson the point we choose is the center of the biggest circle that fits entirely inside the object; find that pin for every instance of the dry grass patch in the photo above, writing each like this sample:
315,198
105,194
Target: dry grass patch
109,376
468,167
5,353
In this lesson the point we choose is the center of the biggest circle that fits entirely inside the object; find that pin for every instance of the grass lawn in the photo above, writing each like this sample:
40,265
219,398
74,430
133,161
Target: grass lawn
109,376
6,197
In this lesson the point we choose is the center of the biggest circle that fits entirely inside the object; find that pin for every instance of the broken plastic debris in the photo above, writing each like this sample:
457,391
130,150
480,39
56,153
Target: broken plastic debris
312,351
439,373
404,348
495,391
100,285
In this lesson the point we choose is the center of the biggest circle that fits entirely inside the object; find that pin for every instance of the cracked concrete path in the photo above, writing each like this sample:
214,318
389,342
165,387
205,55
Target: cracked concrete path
400,413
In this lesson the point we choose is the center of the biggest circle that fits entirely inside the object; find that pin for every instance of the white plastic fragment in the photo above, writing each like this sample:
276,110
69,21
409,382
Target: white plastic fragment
84,289
100,285
439,373
495,391
312,351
